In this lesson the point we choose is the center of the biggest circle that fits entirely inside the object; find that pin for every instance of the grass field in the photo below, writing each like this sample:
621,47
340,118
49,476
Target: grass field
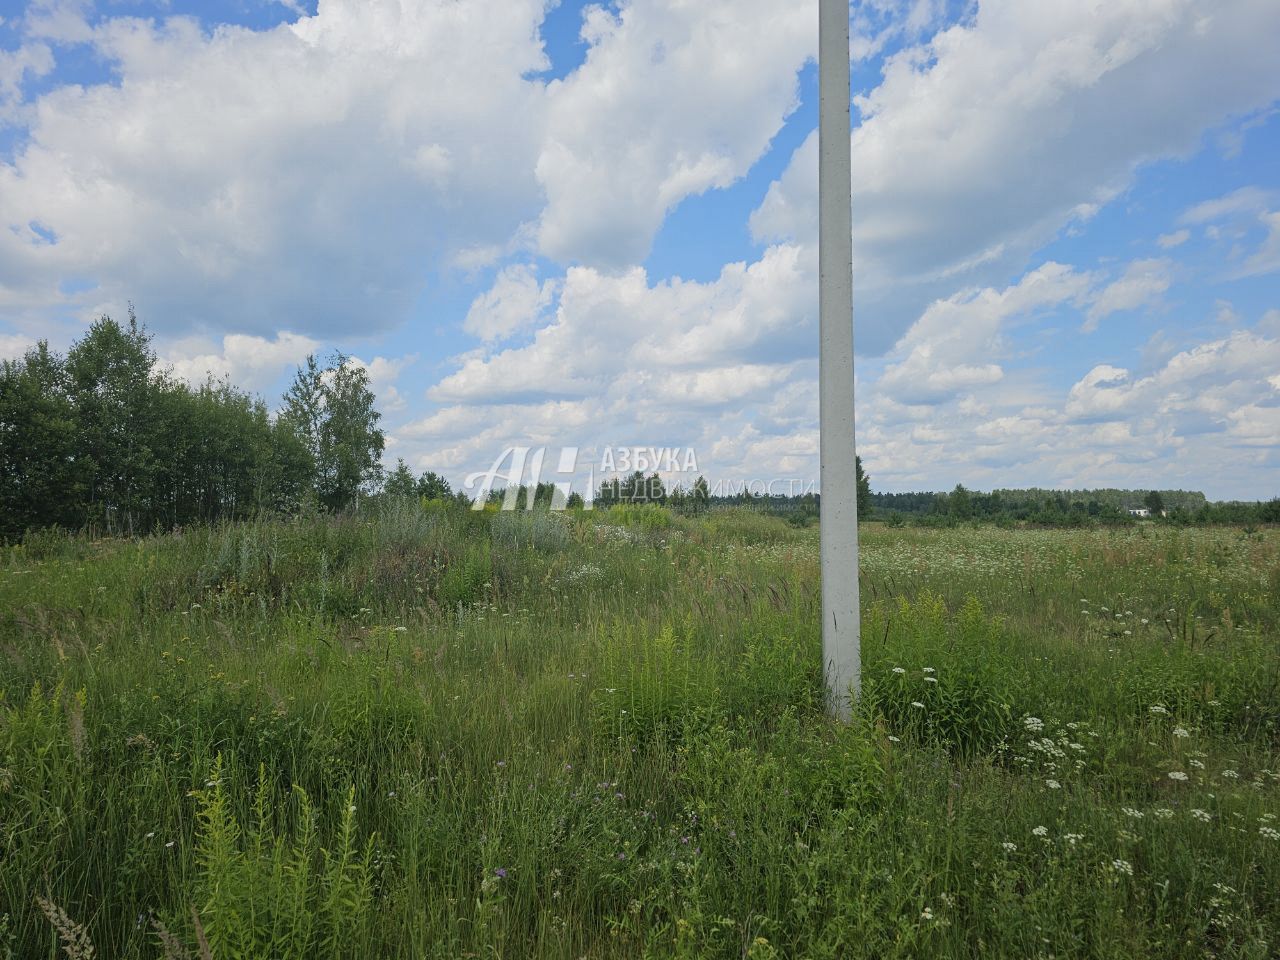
437,733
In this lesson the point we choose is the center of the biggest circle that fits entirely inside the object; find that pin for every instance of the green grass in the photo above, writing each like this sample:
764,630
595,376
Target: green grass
438,733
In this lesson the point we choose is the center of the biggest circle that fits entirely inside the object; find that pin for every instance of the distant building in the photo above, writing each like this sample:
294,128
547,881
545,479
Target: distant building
1139,512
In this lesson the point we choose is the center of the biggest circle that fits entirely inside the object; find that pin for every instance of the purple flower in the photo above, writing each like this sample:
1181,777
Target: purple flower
500,873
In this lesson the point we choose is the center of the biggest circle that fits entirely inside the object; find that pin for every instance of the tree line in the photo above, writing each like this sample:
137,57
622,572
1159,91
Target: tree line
1065,508
104,438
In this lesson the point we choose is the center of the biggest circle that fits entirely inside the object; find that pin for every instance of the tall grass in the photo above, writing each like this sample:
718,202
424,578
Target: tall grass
438,733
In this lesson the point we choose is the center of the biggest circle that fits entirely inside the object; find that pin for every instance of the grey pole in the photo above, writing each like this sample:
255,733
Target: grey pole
838,476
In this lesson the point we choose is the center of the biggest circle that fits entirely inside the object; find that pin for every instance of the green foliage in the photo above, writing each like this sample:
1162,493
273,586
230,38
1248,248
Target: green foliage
642,516
268,890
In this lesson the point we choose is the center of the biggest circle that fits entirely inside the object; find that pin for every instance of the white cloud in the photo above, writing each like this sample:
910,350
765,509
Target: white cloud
1142,285
309,173
953,346
383,374
515,302
1249,201
1177,238
14,345
29,60
250,362
674,99
980,145
614,331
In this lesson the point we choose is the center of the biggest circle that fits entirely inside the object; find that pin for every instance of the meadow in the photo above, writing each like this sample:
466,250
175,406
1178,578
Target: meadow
430,732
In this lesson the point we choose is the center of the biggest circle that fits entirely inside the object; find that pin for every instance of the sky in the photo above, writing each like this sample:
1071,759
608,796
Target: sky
594,225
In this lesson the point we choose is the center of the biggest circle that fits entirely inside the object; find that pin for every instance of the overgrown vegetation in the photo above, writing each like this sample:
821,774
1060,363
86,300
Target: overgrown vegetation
435,732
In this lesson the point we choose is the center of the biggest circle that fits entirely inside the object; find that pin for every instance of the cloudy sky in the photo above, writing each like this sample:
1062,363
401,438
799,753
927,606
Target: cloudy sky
594,224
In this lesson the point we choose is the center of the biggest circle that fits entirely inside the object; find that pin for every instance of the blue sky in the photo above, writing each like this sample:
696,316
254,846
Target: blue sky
594,225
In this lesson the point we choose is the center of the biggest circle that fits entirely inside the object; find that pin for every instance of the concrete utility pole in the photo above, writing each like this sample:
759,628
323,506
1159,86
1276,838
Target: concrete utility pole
838,474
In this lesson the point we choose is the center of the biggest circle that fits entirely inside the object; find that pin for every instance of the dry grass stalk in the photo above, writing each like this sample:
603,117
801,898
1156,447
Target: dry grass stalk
74,936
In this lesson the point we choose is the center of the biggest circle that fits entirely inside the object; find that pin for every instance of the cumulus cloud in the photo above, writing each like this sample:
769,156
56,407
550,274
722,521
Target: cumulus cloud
515,302
251,362
674,99
982,143
309,172
627,360
952,347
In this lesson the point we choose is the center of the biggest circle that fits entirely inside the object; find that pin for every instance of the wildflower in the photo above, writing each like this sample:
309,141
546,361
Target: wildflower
1040,831
1033,724
930,670
1009,847
151,834
169,845
1181,732
1122,866
894,740
1162,813
500,873
930,679
502,763
917,703
1132,813
1231,774
1073,838
1053,784
926,914
1158,710
1177,775
899,670
1271,833
1204,816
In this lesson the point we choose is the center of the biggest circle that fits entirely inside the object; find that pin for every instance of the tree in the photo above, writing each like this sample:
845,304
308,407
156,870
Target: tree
113,395
432,486
960,504
701,494
400,484
331,414
350,442
301,417
864,490
38,469
1154,502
